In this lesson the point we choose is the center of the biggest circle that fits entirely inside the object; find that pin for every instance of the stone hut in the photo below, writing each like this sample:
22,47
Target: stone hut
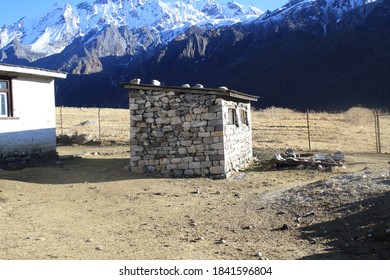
183,131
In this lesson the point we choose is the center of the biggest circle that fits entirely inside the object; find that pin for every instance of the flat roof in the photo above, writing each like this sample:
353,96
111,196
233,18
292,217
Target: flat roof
216,91
26,70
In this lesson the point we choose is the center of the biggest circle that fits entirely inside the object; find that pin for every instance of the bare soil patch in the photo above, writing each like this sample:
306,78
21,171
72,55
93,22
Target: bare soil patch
91,207
88,205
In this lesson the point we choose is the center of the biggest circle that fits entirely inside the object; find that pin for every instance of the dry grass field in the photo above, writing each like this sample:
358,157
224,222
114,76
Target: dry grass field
273,128
114,123
350,131
87,205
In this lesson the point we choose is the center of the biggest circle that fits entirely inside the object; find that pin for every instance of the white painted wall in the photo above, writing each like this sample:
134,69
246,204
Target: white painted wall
237,139
33,123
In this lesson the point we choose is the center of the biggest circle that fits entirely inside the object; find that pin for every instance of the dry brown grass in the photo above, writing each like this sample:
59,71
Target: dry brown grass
350,131
273,128
114,123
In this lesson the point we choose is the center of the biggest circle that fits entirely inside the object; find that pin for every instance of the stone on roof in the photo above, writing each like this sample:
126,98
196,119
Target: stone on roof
223,92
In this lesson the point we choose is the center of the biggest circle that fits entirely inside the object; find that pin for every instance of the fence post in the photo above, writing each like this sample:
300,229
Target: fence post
377,132
62,128
308,129
100,136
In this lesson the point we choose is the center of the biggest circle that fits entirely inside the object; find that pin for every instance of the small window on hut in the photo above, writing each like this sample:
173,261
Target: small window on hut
232,118
244,116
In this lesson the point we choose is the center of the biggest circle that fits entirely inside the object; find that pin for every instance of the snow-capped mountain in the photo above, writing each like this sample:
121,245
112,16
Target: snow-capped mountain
34,38
320,54
320,16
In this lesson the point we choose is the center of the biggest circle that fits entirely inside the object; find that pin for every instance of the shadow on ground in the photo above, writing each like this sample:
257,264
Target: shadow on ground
362,234
72,171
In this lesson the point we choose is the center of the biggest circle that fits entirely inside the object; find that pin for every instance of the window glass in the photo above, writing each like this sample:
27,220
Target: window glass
3,85
231,116
243,116
3,104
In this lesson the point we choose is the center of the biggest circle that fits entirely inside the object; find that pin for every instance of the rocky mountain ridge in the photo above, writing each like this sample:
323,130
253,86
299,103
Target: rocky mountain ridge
317,54
112,27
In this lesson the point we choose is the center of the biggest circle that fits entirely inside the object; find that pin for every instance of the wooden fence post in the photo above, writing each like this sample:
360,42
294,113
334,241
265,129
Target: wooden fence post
100,135
62,128
377,131
308,129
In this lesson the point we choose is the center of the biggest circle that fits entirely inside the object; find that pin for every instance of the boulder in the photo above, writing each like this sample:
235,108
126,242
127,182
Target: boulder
83,139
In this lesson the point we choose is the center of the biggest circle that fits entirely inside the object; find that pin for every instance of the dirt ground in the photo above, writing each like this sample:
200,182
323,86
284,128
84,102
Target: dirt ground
91,207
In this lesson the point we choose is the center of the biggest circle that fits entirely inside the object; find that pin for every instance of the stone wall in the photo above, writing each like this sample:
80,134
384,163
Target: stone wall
181,134
18,160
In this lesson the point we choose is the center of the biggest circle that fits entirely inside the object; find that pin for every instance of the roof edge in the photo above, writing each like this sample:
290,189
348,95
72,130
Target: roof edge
217,91
18,69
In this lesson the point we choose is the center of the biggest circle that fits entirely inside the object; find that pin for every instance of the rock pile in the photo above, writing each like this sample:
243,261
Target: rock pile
79,139
320,161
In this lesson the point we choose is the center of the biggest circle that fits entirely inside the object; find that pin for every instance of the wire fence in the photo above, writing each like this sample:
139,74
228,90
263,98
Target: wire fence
356,130
101,123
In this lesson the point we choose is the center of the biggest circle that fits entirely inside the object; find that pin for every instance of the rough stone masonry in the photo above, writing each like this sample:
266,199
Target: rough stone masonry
187,132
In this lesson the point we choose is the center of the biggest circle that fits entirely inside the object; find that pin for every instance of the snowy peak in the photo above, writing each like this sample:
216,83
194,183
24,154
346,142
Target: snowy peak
318,16
339,6
56,29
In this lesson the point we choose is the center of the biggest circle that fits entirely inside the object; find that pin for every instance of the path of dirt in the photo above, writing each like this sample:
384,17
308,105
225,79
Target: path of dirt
91,207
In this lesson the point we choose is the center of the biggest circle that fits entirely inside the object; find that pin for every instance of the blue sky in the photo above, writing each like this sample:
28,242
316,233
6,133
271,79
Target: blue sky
13,10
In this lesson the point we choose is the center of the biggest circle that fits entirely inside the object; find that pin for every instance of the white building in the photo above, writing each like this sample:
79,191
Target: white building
27,115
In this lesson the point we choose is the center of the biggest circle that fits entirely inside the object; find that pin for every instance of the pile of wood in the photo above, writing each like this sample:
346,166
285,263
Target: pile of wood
320,161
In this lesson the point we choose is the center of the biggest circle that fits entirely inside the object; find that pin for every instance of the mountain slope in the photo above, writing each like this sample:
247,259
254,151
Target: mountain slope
303,71
290,67
309,54
32,39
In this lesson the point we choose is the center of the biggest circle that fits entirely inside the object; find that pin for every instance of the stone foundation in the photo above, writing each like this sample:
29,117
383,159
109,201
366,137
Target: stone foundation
19,160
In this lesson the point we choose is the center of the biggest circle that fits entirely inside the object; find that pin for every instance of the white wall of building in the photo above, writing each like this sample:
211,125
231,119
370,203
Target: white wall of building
237,137
33,123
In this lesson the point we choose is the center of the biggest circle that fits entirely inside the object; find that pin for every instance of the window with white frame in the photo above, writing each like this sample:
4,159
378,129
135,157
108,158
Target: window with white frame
5,99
